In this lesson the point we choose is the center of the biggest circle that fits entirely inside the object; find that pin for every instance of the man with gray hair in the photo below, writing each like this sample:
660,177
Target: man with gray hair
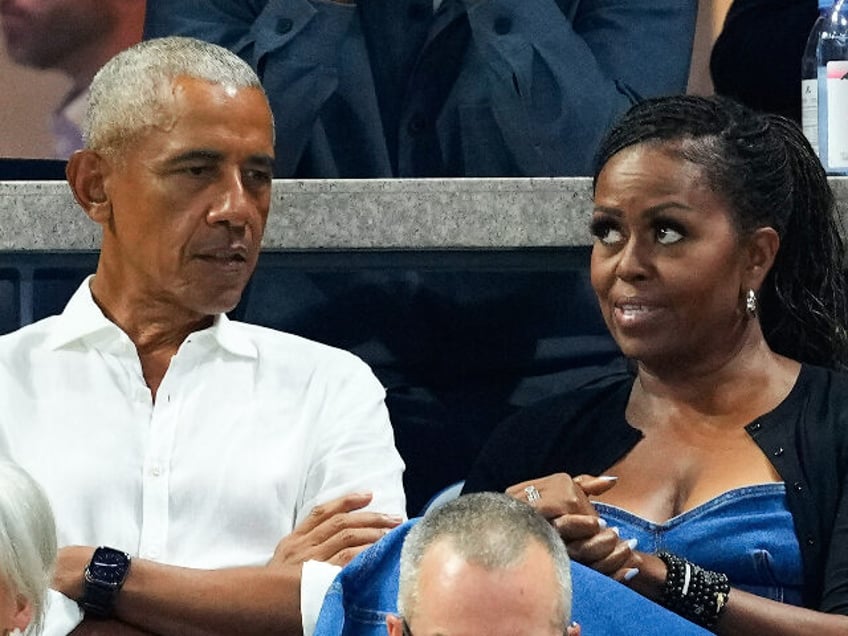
484,563
223,469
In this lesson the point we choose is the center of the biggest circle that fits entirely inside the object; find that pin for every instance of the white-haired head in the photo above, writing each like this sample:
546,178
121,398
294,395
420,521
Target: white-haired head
27,539
491,530
130,92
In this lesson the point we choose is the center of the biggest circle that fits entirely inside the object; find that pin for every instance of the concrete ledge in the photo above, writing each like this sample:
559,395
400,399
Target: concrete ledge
413,214
346,214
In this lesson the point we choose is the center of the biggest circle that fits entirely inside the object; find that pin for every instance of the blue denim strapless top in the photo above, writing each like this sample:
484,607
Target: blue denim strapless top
746,533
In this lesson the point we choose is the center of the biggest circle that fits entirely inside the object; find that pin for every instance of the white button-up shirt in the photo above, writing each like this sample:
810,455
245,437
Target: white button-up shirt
251,429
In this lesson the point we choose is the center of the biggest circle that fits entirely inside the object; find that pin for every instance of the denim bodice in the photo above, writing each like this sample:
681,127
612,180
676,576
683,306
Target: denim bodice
746,533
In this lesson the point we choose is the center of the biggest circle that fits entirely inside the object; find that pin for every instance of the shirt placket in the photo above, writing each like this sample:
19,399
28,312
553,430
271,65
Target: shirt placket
157,472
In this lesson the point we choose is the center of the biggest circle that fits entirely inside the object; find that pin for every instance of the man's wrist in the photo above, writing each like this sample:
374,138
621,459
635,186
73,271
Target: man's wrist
104,576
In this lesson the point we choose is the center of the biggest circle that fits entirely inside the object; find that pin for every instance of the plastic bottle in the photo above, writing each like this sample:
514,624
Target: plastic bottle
824,86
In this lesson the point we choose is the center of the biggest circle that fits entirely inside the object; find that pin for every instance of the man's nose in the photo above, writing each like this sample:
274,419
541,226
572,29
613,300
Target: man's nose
233,204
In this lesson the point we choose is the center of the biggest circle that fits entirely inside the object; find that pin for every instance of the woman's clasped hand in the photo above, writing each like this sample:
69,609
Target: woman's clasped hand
564,501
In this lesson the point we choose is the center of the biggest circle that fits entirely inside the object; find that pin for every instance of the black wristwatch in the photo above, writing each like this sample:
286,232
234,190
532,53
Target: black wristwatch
104,576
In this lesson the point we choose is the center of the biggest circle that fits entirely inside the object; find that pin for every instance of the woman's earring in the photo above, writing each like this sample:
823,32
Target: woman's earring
751,303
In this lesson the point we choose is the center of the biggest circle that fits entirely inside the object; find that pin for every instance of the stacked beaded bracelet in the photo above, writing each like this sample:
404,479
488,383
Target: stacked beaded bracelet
694,593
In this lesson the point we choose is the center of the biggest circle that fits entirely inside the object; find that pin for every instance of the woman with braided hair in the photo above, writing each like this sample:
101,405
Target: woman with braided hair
713,479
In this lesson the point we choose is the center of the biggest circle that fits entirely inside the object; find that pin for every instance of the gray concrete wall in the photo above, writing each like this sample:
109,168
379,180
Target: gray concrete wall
415,214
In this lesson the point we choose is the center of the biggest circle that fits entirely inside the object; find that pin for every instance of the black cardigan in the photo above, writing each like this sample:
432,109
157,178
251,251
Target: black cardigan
805,438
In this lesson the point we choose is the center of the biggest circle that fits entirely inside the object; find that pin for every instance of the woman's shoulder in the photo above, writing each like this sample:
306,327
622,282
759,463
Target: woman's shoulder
607,393
821,384
817,407
573,431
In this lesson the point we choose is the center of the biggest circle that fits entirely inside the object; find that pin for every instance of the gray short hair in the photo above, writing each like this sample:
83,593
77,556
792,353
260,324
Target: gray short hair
489,529
127,93
27,538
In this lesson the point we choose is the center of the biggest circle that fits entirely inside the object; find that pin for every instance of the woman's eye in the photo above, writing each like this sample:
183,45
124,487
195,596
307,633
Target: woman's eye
606,233
610,237
668,236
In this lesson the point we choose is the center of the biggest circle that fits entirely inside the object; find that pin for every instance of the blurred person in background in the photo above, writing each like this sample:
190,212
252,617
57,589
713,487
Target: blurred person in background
75,37
757,57
444,88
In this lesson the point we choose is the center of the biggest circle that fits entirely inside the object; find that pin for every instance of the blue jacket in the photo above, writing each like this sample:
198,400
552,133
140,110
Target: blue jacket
417,88
364,591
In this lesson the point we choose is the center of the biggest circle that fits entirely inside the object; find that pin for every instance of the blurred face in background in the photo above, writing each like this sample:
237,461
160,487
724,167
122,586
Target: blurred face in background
49,34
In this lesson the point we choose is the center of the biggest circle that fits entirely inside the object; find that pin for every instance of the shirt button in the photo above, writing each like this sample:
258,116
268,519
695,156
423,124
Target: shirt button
417,12
156,471
284,25
798,486
503,25
756,427
778,452
417,124
811,541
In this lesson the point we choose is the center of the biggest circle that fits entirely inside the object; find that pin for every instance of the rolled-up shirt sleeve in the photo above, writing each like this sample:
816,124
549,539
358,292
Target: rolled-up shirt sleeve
62,614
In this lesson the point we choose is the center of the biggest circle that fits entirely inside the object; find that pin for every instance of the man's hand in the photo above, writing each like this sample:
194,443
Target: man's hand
69,575
334,532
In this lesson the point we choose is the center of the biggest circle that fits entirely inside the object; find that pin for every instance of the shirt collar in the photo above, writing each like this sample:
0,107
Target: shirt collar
229,337
67,123
82,319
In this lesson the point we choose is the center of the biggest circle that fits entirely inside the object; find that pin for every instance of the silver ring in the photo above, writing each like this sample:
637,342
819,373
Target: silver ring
533,495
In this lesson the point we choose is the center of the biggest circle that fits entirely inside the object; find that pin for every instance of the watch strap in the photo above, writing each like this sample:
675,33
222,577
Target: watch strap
97,600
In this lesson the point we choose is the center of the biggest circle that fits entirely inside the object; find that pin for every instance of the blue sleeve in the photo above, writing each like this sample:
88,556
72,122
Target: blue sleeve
560,73
224,22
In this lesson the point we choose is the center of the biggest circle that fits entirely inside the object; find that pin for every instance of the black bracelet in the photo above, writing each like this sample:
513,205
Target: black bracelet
694,593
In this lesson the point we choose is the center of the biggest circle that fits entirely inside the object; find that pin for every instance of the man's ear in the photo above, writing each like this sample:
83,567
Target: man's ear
23,614
394,625
762,248
86,173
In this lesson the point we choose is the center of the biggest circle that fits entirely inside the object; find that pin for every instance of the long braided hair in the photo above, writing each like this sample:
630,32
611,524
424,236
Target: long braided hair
766,170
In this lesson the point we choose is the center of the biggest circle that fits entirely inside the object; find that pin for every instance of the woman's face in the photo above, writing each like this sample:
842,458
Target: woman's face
667,262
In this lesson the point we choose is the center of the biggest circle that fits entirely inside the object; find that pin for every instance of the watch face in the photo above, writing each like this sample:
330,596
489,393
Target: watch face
108,566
